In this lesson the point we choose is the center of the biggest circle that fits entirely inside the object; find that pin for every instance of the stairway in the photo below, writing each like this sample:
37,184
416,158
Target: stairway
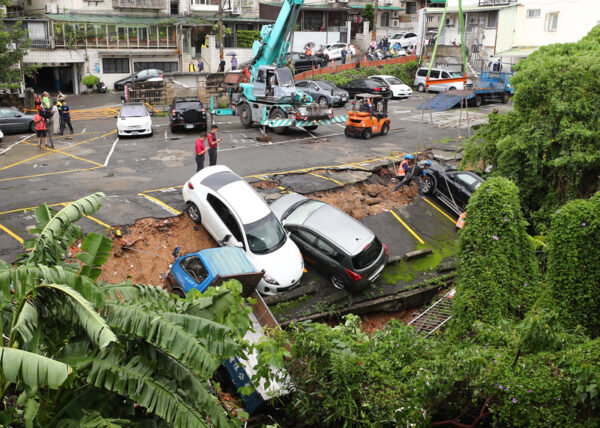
435,316
443,101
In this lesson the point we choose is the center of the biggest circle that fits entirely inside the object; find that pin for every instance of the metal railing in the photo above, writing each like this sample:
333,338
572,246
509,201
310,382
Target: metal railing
140,4
41,44
496,2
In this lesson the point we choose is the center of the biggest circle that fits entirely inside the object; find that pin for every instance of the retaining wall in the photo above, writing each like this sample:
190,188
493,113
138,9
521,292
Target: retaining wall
341,67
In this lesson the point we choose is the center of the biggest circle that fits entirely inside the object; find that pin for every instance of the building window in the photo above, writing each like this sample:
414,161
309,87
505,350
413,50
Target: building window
115,65
385,19
551,21
411,7
533,13
492,19
430,19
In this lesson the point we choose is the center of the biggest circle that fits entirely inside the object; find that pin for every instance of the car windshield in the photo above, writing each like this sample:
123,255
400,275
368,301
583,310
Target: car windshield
134,111
284,77
300,213
265,235
188,104
325,85
394,81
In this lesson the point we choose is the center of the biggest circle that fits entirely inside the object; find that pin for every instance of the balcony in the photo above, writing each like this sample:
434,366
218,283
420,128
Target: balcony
139,4
206,5
41,44
496,2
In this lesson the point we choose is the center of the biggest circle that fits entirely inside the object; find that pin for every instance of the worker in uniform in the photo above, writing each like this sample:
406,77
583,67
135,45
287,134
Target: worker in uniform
416,174
404,167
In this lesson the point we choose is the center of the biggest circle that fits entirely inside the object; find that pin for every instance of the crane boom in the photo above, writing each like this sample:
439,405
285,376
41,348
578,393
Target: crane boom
275,38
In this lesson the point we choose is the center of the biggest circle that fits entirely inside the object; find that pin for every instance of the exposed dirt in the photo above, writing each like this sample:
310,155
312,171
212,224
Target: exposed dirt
144,249
370,197
377,320
266,184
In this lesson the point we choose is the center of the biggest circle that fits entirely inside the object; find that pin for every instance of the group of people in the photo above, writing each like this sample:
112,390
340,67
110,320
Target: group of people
410,170
201,148
51,117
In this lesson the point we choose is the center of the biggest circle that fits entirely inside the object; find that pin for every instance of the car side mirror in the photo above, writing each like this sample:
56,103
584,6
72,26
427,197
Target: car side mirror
239,245
225,239
18,115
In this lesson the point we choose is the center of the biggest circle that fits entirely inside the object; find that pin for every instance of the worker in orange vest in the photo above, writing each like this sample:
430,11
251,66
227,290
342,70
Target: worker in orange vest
404,166
460,223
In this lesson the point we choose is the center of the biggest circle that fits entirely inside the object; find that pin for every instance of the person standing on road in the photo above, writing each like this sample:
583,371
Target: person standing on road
234,63
200,65
200,151
37,102
55,118
212,145
40,127
65,112
46,100
343,53
59,104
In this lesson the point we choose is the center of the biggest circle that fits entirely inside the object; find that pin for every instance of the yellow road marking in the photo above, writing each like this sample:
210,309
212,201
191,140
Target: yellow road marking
48,152
101,223
11,233
152,108
65,153
51,173
158,201
327,178
27,209
412,232
440,210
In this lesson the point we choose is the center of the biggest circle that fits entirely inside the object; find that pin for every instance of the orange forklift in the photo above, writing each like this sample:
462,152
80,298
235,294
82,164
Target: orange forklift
368,117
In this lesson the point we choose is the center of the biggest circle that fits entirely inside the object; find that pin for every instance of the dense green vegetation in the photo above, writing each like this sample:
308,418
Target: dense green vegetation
245,38
405,72
549,144
79,352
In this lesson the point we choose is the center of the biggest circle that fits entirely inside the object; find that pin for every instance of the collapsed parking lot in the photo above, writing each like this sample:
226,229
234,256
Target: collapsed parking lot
142,177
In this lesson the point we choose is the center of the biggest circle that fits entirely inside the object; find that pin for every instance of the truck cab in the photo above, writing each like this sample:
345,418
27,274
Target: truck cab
272,85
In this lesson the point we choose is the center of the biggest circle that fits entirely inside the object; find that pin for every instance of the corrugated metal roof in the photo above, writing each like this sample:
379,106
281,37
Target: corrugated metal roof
124,19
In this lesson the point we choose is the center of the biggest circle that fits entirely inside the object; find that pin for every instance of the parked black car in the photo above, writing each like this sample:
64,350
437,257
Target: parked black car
333,242
302,62
140,76
324,92
187,113
367,86
452,187
12,120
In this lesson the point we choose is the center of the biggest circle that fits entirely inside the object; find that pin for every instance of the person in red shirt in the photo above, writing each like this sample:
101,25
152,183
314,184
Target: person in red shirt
200,151
212,145
40,127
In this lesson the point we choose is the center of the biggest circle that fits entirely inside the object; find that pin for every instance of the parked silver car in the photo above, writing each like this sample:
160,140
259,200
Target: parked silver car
12,120
340,247
323,92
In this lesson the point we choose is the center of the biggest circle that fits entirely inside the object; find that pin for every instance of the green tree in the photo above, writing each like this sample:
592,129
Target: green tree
497,275
14,42
573,263
549,145
368,14
77,349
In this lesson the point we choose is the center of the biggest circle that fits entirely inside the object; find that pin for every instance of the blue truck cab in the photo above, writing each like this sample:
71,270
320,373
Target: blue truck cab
211,267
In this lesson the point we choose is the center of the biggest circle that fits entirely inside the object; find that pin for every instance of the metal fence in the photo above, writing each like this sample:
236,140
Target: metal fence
154,96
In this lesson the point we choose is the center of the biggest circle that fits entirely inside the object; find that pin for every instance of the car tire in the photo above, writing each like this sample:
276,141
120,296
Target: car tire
505,97
277,114
478,100
429,185
338,282
385,129
347,132
173,129
245,114
150,134
194,212
421,87
367,133
178,292
452,88
32,126
311,128
323,102
317,65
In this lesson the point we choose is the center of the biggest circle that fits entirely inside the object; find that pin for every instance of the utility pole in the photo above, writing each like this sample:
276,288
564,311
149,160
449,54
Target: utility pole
221,31
374,32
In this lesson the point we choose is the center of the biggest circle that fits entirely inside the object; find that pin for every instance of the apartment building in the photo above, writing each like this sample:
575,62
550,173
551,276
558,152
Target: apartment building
115,38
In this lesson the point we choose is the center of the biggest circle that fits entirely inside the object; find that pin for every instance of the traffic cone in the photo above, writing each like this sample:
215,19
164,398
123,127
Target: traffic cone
365,58
332,63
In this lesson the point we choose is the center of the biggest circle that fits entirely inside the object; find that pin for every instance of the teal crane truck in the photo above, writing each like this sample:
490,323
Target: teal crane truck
269,97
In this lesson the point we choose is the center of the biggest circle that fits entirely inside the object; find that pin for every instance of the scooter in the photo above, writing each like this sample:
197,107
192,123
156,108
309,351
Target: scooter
101,86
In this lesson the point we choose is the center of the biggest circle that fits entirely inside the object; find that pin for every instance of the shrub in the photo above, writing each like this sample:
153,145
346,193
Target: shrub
574,263
497,274
405,72
245,38
90,80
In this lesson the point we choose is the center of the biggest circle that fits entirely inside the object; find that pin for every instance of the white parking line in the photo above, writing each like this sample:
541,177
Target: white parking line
12,145
112,149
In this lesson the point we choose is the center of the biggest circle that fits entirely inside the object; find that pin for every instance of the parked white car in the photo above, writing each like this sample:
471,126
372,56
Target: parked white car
438,73
398,88
334,51
404,39
235,215
1,136
134,119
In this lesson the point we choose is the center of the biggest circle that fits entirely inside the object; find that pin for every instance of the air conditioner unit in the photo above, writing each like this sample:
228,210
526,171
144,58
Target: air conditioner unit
342,1
236,10
388,2
51,8
395,23
395,14
450,22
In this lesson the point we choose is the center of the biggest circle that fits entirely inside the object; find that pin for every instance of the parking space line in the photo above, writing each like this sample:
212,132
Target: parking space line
339,183
162,189
14,144
412,232
18,210
112,149
64,153
51,173
440,210
11,233
161,203
94,219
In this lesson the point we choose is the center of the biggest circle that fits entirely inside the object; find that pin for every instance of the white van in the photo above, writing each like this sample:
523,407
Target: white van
438,73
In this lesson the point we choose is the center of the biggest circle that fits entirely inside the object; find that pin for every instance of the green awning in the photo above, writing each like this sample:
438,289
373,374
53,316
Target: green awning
358,6
437,1
122,20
